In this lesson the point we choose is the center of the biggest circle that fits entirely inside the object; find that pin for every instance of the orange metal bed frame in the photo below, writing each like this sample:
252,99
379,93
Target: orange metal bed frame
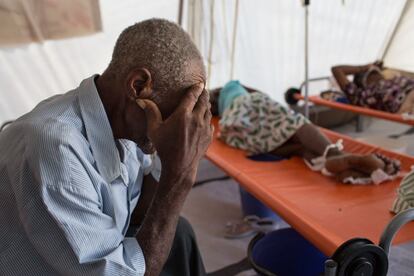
327,213
358,109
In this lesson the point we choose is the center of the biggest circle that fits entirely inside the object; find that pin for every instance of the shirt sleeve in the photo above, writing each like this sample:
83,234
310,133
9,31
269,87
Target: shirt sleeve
62,213
156,167
151,164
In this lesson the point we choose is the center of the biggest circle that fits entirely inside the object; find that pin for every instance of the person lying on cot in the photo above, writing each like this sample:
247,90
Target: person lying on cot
371,89
252,121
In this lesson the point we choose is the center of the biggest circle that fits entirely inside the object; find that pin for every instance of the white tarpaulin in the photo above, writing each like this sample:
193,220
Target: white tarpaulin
400,54
32,72
269,44
24,21
269,51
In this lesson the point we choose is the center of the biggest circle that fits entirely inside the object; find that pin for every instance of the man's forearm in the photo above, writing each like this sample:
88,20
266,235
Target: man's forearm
181,140
157,232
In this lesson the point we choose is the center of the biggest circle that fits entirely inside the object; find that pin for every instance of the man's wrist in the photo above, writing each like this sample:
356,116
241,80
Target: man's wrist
177,175
177,181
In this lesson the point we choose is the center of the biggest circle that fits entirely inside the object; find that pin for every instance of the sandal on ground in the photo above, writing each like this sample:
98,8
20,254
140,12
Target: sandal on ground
249,226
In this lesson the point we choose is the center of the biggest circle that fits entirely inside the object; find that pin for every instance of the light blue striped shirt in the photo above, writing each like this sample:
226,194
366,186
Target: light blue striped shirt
67,191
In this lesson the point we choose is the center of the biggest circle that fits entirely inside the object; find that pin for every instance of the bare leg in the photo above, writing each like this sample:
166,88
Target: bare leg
288,149
309,142
314,142
362,163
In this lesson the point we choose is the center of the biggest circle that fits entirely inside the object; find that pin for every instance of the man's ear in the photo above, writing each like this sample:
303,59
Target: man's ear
139,84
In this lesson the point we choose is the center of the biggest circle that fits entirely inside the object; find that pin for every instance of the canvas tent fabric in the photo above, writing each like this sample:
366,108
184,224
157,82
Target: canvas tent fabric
270,38
27,21
269,51
32,72
400,54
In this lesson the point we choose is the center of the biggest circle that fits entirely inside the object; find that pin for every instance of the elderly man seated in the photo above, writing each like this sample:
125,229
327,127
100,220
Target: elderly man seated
80,194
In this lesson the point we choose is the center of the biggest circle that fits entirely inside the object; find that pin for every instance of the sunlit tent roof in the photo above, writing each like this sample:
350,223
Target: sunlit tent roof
268,53
400,53
34,71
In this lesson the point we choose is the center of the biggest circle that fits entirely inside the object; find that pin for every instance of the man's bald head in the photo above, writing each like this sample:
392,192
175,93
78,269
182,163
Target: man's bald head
154,60
163,48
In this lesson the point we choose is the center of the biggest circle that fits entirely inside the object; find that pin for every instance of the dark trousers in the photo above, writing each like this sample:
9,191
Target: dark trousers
184,258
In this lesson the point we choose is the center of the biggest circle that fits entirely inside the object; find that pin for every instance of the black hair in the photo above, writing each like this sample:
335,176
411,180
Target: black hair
214,99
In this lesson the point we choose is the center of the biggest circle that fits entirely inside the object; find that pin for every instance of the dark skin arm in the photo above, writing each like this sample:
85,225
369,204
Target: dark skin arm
341,72
181,141
157,232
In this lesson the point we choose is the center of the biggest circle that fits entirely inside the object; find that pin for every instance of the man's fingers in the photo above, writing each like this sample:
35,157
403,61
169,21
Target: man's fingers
207,115
202,104
152,114
211,134
191,97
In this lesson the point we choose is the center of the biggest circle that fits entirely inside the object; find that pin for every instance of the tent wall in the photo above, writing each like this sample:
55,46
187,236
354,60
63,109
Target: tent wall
270,38
269,47
33,72
400,54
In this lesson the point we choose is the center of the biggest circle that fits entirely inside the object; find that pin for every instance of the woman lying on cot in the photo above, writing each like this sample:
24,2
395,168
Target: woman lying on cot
370,89
251,121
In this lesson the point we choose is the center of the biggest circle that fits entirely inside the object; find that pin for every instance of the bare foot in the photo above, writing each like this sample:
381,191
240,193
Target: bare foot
350,173
365,164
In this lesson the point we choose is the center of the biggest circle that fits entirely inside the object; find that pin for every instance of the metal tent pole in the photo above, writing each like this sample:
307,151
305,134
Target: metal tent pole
211,43
233,44
395,30
306,5
180,12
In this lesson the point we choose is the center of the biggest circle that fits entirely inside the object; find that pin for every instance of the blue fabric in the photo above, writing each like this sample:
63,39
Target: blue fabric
67,191
343,100
266,157
285,252
228,93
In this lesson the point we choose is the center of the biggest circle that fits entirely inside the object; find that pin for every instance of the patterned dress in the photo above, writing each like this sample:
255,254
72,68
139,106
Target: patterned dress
405,195
257,124
385,95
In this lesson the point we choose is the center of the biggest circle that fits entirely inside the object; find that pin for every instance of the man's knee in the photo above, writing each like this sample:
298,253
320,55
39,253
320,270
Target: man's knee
184,232
185,258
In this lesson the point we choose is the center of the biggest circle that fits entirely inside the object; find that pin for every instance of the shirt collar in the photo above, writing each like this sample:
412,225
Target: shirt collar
98,131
